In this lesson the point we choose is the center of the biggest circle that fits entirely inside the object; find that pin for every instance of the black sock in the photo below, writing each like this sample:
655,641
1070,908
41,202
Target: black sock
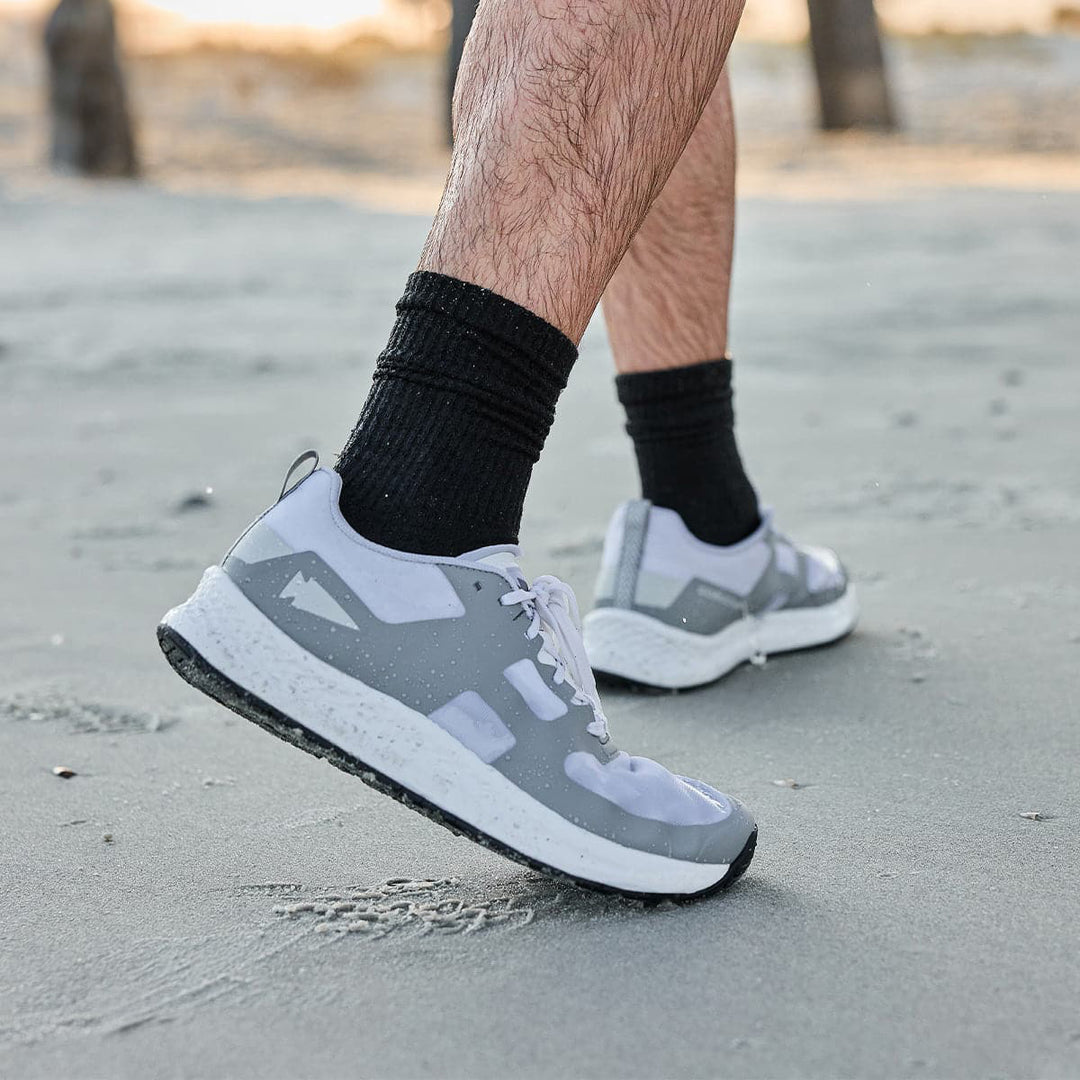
683,427
463,397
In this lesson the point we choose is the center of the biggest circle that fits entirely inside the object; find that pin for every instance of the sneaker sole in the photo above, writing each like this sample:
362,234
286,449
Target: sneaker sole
637,648
225,647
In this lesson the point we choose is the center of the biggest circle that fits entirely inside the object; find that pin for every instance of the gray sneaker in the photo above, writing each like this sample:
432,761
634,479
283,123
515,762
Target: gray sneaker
455,687
674,612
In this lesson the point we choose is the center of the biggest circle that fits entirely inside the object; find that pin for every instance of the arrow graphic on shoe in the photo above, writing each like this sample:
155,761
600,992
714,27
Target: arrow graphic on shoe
310,596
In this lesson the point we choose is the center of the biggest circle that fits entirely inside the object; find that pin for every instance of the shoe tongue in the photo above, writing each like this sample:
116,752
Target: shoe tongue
503,557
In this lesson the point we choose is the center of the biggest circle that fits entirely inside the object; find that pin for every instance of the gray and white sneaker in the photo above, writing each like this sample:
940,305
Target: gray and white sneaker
674,612
455,687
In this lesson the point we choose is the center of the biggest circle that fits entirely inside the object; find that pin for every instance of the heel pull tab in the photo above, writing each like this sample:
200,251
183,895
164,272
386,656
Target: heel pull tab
307,455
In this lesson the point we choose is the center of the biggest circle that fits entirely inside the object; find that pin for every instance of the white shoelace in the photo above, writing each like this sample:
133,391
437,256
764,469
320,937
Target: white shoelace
554,610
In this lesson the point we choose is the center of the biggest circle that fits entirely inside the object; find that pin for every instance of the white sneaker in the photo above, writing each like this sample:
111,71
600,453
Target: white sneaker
453,686
674,612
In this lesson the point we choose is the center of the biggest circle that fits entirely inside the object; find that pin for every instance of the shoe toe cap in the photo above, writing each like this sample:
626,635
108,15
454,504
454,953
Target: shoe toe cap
825,573
725,840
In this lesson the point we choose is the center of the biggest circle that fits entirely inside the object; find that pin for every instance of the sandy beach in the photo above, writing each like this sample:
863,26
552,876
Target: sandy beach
201,900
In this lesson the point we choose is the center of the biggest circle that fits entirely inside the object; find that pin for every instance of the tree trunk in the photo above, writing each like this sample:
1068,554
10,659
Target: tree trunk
850,65
91,127
461,21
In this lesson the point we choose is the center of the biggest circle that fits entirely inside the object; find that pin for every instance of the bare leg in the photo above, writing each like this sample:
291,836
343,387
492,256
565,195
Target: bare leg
667,316
569,117
667,305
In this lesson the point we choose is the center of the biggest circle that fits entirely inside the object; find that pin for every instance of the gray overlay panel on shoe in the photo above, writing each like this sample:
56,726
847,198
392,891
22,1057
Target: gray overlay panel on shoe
427,664
703,608
635,525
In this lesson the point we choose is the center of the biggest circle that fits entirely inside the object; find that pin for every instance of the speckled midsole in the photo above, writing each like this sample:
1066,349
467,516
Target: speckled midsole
382,733
637,646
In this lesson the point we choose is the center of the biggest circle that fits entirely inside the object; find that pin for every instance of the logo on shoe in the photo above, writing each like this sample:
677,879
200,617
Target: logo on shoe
306,594
717,595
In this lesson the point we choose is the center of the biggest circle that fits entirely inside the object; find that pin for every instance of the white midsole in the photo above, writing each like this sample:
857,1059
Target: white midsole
640,647
234,637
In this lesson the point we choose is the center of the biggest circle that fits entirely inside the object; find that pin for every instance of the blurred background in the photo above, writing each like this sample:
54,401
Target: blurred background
348,96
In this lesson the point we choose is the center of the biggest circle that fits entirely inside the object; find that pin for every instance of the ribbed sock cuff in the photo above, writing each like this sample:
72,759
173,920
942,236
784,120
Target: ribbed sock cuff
505,361
687,403
479,308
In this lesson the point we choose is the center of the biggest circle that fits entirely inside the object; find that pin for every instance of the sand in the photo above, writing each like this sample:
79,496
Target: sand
193,901
908,392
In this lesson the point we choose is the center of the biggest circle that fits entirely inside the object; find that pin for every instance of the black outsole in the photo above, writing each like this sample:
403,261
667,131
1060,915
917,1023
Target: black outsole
193,669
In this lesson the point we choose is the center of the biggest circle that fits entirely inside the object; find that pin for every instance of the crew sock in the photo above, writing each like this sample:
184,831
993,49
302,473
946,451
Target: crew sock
461,402
683,427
